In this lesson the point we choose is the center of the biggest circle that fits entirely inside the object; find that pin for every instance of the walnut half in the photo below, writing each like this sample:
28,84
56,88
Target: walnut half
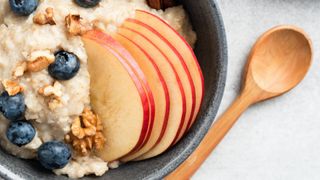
86,133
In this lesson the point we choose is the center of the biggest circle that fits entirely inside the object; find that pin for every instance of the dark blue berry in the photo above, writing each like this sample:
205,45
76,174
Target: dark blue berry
65,66
54,155
20,132
12,107
23,7
87,3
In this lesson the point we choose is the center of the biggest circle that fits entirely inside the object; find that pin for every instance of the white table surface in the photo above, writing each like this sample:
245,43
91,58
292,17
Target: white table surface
278,139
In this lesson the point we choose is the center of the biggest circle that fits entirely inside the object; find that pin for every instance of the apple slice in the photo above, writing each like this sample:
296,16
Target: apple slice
175,88
161,27
115,45
159,89
117,96
179,65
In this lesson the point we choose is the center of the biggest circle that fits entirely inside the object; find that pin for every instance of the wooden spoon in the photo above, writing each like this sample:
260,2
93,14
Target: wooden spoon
277,63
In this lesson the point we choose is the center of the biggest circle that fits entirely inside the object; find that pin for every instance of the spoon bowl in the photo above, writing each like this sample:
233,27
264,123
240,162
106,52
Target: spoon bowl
278,61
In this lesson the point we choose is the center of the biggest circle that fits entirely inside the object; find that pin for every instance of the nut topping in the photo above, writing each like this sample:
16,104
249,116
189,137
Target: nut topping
12,87
49,90
45,18
81,127
54,92
76,26
38,65
161,4
39,60
19,69
156,4
86,133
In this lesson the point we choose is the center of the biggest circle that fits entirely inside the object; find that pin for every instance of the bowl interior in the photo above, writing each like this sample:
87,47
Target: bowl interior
211,51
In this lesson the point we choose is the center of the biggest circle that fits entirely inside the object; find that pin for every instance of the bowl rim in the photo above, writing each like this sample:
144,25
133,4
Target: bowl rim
214,102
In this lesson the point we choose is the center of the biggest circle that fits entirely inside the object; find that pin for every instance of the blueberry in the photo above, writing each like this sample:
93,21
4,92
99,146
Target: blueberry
20,132
87,3
12,107
23,7
65,66
54,155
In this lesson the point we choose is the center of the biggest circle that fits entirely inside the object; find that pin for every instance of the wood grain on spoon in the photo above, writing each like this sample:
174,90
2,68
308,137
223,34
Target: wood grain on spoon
277,63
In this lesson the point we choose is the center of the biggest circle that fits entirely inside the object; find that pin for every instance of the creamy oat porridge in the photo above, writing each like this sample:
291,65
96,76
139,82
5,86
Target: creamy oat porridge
55,106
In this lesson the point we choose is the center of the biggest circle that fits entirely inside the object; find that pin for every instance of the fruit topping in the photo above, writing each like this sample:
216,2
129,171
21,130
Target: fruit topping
20,132
23,7
12,107
54,155
87,3
65,66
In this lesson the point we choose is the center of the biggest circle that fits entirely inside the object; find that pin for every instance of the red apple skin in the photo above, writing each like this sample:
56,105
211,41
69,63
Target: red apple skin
112,43
132,44
106,41
132,62
183,126
192,55
171,65
131,31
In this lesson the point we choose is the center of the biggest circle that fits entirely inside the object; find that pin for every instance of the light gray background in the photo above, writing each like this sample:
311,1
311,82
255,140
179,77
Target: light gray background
278,139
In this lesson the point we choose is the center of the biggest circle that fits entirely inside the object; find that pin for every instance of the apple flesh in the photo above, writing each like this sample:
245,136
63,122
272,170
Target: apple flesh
183,48
176,58
132,62
183,73
125,116
159,89
167,67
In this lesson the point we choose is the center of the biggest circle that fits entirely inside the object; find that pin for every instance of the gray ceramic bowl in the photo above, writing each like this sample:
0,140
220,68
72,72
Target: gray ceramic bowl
211,51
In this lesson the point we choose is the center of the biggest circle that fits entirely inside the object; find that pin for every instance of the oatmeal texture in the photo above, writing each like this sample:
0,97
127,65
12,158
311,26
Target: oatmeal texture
21,38
81,166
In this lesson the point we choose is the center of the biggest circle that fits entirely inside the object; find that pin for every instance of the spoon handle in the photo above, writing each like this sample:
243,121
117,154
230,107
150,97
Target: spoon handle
216,133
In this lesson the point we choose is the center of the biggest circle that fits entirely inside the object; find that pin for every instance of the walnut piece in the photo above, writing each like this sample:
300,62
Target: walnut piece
38,65
81,127
19,69
162,4
39,60
45,18
54,92
54,103
76,25
12,87
51,90
99,140
86,133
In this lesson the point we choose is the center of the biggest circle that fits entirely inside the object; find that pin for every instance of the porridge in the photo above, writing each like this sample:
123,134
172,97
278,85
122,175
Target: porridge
51,103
